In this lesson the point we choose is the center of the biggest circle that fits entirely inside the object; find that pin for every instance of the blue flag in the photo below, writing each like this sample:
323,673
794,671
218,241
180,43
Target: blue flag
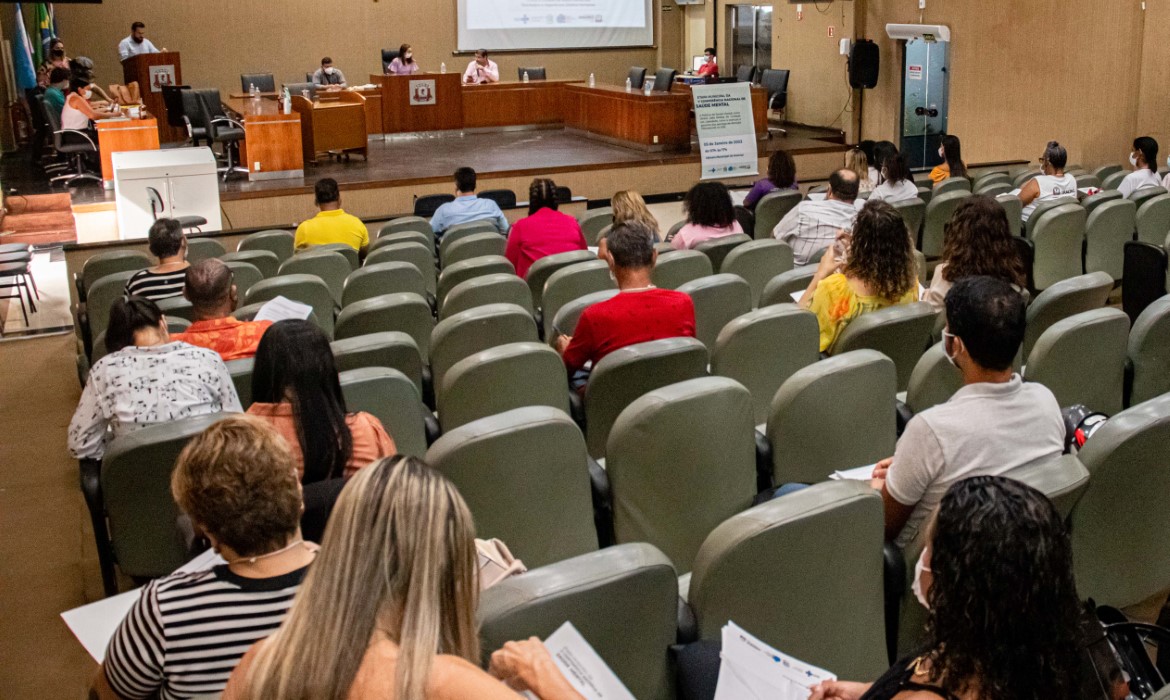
22,55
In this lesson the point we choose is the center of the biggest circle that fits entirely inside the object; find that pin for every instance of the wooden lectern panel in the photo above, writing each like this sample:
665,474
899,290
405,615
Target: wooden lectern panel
152,71
335,123
408,104
118,135
658,121
272,140
495,105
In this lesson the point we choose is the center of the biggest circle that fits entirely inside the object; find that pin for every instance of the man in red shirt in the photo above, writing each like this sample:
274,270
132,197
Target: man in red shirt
638,314
210,289
710,69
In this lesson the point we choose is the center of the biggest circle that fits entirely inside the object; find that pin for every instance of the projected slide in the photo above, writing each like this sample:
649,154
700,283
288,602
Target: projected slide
554,24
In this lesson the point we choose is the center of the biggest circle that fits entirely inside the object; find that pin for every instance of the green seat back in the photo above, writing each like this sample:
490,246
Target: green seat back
404,312
382,278
525,477
1122,523
458,233
263,260
717,248
1113,180
416,254
109,263
393,399
913,212
770,570
1106,170
779,289
708,465
345,250
1108,228
718,299
757,262
624,375
1081,359
568,315
934,380
307,289
1058,239
938,213
1063,480
544,268
623,600
331,267
951,184
101,295
241,372
925,193
1148,352
404,237
773,207
407,223
1063,299
901,333
989,178
136,488
593,221
277,242
391,349
573,282
470,269
1088,180
244,275
1153,220
499,288
500,379
178,307
474,246
1014,209
676,268
1022,176
994,189
810,434
476,330
1093,201
200,249
765,347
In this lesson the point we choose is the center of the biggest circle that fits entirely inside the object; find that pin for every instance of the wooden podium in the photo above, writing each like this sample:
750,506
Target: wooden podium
151,71
421,102
336,122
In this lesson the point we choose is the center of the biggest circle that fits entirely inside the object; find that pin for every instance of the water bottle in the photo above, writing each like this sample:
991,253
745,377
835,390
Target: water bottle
629,85
252,90
443,68
524,78
592,80
286,107
305,94
648,86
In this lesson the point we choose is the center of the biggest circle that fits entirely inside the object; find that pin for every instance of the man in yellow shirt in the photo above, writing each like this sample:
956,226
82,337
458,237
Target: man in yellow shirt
332,224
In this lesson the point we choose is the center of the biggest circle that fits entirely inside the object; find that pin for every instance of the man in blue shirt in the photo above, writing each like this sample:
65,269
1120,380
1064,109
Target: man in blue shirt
467,207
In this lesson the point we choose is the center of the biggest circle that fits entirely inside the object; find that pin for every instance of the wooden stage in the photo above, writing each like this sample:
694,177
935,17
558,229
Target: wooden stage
399,168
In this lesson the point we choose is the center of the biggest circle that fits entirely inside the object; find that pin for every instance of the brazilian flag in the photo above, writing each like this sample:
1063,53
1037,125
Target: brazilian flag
45,30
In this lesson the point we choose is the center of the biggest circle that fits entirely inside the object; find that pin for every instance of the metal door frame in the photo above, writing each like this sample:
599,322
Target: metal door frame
930,155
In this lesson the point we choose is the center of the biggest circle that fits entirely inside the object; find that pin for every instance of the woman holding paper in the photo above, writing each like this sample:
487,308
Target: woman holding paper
392,597
997,578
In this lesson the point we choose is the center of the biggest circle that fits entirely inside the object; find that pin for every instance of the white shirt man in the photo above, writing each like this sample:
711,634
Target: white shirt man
481,70
810,226
136,43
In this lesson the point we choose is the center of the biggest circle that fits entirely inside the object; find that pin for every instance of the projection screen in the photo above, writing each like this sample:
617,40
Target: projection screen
554,24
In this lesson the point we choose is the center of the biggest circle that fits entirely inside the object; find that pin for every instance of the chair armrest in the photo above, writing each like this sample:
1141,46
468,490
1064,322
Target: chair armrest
904,414
577,409
82,134
91,484
602,504
688,626
229,120
894,579
79,286
763,463
431,425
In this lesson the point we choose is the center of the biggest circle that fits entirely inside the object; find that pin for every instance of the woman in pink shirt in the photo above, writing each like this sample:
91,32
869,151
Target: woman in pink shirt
710,214
545,231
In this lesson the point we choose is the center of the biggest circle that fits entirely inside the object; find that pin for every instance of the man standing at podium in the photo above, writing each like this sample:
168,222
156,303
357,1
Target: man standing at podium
136,43
481,70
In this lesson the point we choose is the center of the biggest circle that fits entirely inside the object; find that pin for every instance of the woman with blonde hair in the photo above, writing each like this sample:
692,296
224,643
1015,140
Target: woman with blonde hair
392,597
856,162
629,206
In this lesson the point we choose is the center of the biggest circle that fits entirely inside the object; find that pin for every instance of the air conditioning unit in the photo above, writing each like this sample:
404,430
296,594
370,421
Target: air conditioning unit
929,32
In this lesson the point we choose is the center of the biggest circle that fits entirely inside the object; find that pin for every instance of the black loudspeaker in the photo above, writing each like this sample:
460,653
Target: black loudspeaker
863,65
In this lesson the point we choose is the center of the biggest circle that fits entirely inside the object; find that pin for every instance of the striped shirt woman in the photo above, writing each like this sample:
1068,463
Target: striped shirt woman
157,285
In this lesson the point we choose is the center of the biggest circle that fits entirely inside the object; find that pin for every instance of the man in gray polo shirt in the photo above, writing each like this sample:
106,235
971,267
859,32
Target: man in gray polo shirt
329,77
995,424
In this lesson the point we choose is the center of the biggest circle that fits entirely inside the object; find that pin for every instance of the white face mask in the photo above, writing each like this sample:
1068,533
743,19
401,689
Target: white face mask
919,568
87,94
329,71
1133,160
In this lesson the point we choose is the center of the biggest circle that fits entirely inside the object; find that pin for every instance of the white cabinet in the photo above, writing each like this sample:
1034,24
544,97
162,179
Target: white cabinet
166,183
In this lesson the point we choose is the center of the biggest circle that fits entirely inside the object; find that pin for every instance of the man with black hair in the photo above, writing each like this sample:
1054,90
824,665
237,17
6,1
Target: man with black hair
467,207
812,226
995,424
136,43
332,224
210,287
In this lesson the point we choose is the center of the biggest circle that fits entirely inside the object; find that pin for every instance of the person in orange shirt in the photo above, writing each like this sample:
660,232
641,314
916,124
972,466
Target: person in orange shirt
296,390
210,289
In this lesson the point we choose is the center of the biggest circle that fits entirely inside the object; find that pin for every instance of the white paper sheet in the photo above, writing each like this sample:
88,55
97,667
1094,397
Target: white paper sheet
858,474
282,309
585,670
817,196
752,670
95,624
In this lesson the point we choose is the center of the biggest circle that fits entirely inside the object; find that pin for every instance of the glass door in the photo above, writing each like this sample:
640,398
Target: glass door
925,101
751,37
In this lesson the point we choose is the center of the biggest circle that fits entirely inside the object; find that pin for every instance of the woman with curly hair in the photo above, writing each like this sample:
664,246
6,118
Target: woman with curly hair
781,176
997,578
976,241
710,215
879,272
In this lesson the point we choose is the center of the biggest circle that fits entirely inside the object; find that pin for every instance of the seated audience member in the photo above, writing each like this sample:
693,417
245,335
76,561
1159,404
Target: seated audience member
812,226
882,151
869,148
403,63
1004,616
629,206
857,163
403,537
545,231
878,271
55,91
328,76
331,224
896,184
481,70
781,176
1144,159
78,114
639,313
187,631
995,424
165,280
296,390
210,289
467,207
710,215
147,378
710,67
951,151
977,241
1051,184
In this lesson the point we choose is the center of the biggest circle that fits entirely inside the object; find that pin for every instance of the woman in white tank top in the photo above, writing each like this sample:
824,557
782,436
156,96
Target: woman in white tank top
1052,183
